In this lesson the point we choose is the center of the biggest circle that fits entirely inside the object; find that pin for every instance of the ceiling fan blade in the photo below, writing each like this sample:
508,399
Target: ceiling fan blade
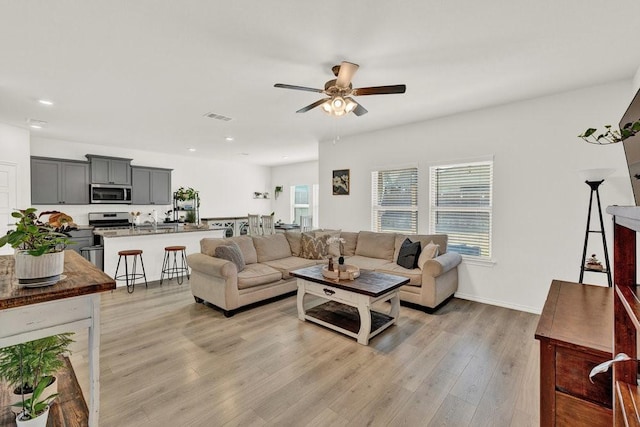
314,105
379,90
308,89
347,70
359,110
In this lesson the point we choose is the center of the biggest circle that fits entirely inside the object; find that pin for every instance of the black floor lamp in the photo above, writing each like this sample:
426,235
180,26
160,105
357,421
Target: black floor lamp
594,185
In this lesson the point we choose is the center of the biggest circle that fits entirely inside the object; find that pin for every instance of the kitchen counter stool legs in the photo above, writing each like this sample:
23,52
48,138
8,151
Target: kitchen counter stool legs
173,267
131,277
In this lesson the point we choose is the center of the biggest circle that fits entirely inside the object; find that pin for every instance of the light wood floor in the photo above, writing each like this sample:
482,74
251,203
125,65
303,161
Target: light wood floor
166,361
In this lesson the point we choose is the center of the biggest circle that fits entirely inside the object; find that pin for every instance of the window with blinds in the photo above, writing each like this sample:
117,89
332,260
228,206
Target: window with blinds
394,201
461,206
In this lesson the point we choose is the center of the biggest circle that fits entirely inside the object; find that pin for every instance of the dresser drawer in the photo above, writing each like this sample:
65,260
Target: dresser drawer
574,412
572,376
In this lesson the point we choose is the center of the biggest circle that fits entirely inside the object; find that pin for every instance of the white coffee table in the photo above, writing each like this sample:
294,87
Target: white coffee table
348,306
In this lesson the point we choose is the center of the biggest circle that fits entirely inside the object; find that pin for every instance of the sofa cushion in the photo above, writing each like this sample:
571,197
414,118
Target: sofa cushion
408,254
413,274
424,239
231,252
208,245
348,248
257,274
286,265
313,247
430,251
366,263
376,245
294,237
273,246
246,246
333,242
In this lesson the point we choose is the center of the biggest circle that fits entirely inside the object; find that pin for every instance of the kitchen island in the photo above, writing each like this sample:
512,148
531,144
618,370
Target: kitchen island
152,242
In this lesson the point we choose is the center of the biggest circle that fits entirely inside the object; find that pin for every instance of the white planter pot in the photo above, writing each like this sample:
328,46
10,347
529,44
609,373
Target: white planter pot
40,421
48,391
43,269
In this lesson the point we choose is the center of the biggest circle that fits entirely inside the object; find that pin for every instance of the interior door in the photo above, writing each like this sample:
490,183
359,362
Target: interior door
8,201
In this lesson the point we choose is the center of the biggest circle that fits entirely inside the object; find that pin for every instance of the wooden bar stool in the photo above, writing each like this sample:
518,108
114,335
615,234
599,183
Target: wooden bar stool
130,278
174,268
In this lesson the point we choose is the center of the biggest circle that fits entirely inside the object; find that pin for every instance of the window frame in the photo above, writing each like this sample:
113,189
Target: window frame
465,208
377,208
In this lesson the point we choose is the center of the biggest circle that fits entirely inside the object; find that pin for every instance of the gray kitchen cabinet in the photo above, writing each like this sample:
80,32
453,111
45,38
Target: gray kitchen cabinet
151,186
59,181
110,170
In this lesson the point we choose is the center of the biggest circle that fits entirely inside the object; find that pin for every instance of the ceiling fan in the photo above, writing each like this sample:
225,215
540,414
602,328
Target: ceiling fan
340,92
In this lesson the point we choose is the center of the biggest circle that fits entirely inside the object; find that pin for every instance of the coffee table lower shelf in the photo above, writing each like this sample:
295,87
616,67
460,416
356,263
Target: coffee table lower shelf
346,319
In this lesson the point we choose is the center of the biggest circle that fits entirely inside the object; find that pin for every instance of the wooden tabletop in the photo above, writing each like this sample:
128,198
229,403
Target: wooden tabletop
369,283
577,315
81,278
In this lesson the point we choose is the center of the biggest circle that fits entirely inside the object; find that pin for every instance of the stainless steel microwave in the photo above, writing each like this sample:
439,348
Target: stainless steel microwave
109,193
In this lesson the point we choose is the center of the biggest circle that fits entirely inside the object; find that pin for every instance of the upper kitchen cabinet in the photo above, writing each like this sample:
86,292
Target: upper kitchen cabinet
58,181
110,170
151,186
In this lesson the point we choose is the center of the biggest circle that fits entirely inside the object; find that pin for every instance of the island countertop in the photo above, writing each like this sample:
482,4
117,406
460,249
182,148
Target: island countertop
147,231
81,278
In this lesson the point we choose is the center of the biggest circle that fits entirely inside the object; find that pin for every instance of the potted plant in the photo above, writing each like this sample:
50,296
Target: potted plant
39,256
35,410
184,194
32,365
610,136
278,190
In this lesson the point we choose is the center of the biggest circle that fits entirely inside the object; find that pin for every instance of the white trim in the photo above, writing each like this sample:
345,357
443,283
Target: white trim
525,308
479,261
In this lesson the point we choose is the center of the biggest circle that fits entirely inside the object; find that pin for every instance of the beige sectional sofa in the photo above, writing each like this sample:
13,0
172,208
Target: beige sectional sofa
269,259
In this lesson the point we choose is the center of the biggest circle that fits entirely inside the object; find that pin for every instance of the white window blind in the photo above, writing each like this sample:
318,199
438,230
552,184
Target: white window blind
394,201
461,206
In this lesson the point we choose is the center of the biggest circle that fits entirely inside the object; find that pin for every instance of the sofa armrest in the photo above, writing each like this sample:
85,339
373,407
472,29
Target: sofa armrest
212,266
441,264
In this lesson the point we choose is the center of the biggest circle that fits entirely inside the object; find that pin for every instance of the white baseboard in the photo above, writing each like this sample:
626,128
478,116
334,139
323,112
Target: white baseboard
534,310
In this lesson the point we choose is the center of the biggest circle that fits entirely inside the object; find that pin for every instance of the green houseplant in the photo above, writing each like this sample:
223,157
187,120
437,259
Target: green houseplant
35,409
39,257
610,136
26,367
183,194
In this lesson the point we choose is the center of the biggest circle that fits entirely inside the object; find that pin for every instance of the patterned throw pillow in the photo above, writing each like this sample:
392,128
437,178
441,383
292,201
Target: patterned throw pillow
409,254
314,247
231,252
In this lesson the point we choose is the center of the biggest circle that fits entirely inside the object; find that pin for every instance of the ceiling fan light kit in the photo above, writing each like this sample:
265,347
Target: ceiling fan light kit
340,90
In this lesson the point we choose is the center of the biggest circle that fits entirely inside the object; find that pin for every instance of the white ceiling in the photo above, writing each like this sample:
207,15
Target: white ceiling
142,73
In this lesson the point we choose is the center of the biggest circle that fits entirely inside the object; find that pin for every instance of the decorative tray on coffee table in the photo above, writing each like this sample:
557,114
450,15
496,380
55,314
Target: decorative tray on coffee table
350,272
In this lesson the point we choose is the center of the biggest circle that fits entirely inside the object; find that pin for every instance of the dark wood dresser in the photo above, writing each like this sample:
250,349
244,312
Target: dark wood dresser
576,333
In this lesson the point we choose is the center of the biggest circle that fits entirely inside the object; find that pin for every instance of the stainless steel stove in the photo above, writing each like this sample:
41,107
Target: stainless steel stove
109,220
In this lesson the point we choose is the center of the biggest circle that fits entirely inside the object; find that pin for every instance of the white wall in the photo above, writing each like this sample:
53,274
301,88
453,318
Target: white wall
540,201
305,173
226,188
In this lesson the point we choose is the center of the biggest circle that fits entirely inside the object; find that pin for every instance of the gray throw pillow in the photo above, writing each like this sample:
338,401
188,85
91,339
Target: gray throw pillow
231,252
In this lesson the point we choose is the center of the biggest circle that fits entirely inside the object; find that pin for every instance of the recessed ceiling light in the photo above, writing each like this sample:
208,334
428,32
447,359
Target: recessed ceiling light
229,139
192,149
285,157
244,154
45,102
36,124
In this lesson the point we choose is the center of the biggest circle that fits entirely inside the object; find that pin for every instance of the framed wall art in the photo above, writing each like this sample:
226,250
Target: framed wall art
341,182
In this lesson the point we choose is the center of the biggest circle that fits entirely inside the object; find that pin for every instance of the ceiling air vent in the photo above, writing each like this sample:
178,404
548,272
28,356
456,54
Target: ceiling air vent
218,117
